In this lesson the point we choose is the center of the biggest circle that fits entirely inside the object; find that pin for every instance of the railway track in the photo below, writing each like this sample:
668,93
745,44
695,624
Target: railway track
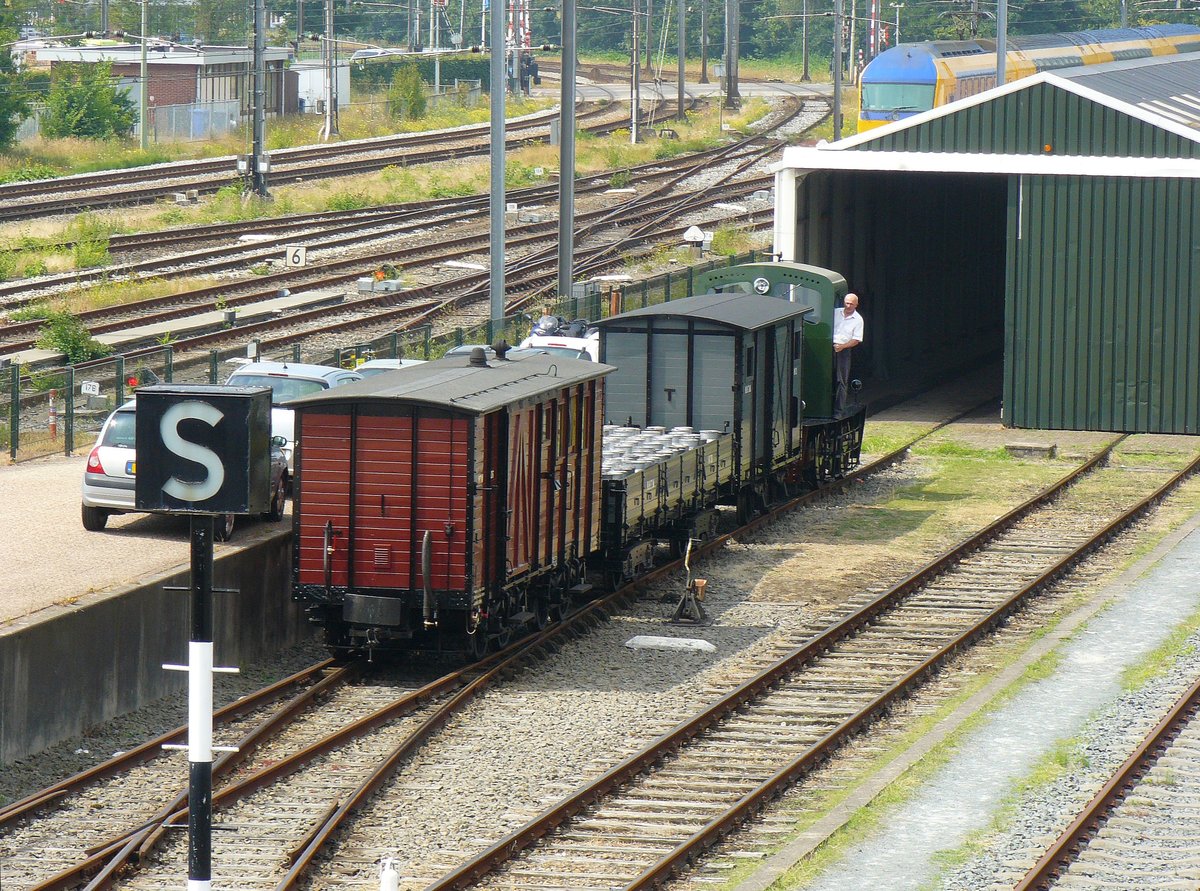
1126,835
141,184
697,780
417,305
656,812
318,231
106,821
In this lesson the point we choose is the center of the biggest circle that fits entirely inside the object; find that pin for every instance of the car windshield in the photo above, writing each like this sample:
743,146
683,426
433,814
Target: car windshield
371,372
569,352
121,432
282,388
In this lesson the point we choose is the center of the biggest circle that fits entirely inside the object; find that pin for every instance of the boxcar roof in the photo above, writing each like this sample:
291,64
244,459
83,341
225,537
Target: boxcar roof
748,312
455,384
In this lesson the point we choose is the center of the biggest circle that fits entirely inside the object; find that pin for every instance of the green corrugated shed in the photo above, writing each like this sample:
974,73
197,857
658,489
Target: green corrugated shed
1100,287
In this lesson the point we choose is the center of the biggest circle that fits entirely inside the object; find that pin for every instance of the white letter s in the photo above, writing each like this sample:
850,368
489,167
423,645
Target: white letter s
211,484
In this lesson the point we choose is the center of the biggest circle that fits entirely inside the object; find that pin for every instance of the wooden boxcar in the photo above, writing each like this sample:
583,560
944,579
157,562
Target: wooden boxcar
448,504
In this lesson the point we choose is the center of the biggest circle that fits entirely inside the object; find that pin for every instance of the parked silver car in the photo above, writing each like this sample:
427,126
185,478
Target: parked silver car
289,380
109,479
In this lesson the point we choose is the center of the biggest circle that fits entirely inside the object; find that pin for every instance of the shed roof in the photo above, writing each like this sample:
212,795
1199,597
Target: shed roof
1170,91
159,54
747,312
1158,95
456,385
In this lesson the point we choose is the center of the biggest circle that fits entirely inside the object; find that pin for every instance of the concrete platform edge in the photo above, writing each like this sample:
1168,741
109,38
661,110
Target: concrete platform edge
67,668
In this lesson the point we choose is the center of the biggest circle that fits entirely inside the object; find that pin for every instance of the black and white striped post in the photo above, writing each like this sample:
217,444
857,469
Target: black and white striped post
203,451
200,707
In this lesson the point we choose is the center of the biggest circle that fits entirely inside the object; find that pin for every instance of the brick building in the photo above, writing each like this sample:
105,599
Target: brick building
181,76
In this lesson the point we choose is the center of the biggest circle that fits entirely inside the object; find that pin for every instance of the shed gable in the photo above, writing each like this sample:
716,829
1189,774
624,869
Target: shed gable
1024,122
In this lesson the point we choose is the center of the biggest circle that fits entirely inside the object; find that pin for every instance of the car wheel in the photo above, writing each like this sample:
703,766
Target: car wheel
224,527
94,518
278,502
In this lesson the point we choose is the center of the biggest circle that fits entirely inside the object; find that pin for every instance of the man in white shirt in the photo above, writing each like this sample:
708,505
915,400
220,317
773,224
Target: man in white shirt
847,334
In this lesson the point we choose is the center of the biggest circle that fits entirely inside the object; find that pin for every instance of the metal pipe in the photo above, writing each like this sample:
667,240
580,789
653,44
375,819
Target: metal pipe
635,86
430,611
566,154
499,51
837,69
681,113
144,120
258,159
1001,38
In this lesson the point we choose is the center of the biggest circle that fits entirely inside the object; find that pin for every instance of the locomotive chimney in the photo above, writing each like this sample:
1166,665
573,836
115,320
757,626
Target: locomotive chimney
501,347
479,358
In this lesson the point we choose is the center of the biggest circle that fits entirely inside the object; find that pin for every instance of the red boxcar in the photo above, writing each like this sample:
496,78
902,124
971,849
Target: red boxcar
447,504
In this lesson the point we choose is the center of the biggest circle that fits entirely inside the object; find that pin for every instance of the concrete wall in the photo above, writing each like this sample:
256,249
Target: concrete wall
67,668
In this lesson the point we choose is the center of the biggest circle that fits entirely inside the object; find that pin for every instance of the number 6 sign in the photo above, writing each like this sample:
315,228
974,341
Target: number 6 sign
295,255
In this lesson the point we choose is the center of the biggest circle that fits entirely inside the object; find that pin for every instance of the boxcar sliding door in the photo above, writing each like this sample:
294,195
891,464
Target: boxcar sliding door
323,488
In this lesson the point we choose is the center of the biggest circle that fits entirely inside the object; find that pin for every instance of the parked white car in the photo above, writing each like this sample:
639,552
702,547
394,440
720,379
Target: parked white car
373,367
559,337
109,478
572,347
289,380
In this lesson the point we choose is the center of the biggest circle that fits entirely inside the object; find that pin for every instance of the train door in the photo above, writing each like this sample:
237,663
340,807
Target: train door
381,532
780,370
668,396
323,498
495,484
521,490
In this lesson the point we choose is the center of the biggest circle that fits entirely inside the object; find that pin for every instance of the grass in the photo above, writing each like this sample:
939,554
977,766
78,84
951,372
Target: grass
882,438
1160,660
108,293
948,497
41,158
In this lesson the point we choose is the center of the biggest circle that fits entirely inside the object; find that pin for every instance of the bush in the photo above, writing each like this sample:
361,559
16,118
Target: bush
84,101
406,96
348,201
620,180
91,252
65,333
28,172
31,313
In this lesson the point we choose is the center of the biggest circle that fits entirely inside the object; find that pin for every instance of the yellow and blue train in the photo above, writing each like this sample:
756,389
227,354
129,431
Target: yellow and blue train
915,77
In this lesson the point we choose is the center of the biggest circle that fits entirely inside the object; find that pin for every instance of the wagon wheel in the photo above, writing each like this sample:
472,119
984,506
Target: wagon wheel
503,637
749,505
824,457
477,643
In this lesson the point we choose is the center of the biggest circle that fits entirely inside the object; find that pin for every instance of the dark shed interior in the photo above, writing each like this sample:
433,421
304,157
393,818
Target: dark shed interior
925,252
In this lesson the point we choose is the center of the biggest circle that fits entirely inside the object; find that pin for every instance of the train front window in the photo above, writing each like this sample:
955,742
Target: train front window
897,97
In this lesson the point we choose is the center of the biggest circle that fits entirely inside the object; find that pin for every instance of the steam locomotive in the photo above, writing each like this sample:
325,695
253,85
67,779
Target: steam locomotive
447,506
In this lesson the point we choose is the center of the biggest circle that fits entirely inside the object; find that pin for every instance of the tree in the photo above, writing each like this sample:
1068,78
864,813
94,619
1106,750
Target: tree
406,96
14,94
84,101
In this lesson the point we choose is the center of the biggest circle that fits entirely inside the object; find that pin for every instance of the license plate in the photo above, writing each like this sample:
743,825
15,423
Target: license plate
131,467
